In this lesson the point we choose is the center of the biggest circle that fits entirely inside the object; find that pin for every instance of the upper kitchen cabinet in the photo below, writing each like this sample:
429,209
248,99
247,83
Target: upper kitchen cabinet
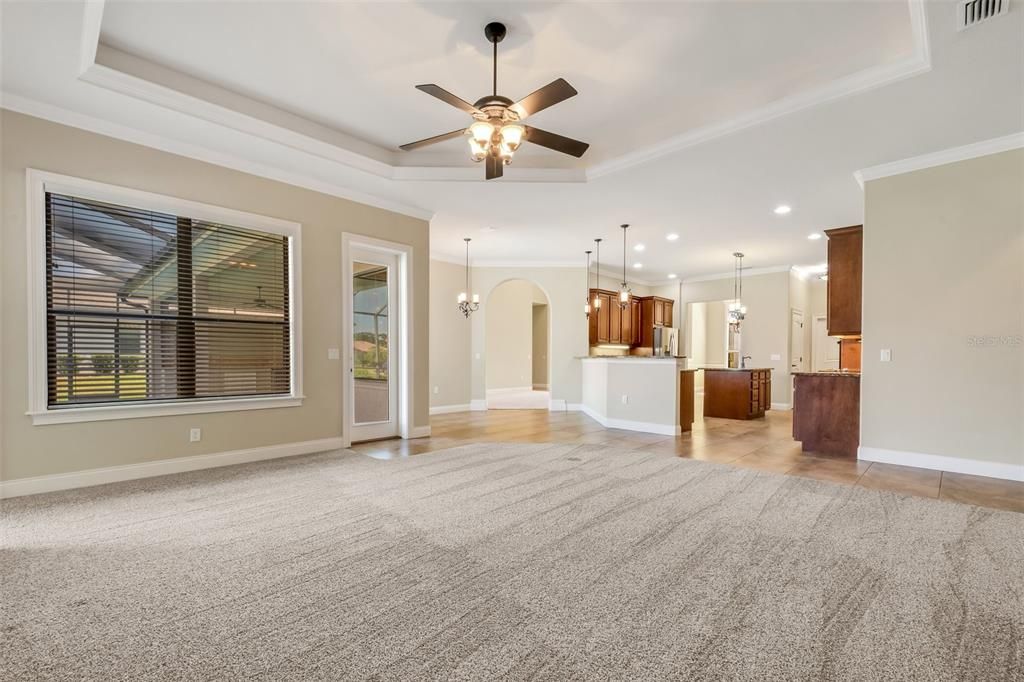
845,267
610,323
655,311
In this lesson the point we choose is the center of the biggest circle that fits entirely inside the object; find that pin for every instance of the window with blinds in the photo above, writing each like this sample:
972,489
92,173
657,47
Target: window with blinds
147,306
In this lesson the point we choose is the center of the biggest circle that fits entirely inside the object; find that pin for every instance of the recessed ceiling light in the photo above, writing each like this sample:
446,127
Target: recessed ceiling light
782,209
814,235
639,247
637,266
671,275
672,236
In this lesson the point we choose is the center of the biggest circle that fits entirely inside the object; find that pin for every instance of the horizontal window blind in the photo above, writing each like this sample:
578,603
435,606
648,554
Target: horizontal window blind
145,306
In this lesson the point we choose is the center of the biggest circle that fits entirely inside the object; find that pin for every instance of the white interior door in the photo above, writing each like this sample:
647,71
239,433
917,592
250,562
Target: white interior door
373,385
796,344
826,348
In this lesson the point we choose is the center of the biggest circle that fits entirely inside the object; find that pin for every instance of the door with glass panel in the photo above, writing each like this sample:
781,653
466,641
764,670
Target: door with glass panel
374,372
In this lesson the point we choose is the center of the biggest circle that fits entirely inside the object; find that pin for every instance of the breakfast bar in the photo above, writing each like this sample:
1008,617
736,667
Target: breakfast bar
649,394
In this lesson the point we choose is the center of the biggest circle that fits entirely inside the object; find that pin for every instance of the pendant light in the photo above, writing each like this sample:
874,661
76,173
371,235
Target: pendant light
469,302
737,311
586,298
624,290
597,261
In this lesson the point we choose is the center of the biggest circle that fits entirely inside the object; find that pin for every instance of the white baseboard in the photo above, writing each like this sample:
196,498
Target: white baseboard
419,432
629,425
128,472
573,407
541,387
448,409
556,405
782,406
513,389
478,405
956,465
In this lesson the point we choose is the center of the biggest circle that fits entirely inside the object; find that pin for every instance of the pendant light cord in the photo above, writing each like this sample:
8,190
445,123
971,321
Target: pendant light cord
494,71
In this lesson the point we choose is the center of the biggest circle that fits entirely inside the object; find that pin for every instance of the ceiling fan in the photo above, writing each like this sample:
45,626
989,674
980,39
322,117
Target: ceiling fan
496,133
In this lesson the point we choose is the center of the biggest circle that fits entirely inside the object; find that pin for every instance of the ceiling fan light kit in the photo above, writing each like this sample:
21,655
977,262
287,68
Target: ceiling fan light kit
496,132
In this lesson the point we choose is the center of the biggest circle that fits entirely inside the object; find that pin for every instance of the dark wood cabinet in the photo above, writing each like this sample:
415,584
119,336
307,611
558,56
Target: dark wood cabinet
631,326
737,393
610,323
826,412
845,272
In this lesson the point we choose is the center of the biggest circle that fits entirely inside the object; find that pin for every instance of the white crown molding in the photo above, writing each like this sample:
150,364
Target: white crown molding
92,21
49,112
869,79
132,76
962,153
747,272
956,465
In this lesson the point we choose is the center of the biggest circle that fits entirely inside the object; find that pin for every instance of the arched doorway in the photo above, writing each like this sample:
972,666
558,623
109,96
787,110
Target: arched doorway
517,332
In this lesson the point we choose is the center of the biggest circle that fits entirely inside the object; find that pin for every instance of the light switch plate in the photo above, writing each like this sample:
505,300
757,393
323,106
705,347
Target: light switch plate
437,389
625,400
195,435
333,354
776,356
886,355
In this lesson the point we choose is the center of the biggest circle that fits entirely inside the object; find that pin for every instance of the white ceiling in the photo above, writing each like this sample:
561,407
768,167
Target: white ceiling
702,116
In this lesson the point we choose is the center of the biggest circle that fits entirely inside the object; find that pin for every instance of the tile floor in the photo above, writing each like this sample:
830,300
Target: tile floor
764,444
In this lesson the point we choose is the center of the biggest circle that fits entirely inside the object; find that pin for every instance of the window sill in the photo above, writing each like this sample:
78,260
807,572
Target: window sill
73,415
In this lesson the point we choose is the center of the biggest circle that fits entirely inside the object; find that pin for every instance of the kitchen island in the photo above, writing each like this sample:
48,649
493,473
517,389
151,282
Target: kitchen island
649,394
737,393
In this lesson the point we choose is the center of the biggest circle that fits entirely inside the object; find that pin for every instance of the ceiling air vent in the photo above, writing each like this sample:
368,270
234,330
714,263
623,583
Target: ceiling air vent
972,12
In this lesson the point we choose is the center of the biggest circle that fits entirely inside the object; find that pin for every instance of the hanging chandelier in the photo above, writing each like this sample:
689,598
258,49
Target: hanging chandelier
597,262
586,298
624,291
737,311
469,303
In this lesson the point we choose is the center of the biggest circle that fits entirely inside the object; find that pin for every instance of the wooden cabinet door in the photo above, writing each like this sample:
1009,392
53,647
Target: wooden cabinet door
592,321
604,319
659,312
668,313
615,319
626,324
634,313
845,264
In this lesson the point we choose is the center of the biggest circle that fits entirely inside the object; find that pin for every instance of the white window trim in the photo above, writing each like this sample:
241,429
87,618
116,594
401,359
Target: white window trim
38,183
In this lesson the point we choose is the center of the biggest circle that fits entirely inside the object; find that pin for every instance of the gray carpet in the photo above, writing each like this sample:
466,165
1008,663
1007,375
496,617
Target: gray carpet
506,562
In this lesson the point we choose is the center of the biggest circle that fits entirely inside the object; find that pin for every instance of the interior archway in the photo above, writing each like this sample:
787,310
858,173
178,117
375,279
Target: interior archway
517,341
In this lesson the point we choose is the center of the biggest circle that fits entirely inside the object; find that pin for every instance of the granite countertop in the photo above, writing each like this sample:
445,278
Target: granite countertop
828,373
737,369
630,357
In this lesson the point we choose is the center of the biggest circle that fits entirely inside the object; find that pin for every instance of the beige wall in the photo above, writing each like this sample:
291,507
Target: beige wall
766,327
509,335
540,345
449,336
29,450
944,290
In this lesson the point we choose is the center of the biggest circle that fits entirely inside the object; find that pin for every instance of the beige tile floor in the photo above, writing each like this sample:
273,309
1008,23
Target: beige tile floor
764,444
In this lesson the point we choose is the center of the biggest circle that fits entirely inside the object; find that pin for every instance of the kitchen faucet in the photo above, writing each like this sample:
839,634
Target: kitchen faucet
743,361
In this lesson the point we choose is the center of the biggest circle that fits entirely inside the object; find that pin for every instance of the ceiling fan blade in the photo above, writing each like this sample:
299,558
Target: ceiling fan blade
550,95
559,143
495,167
433,140
448,97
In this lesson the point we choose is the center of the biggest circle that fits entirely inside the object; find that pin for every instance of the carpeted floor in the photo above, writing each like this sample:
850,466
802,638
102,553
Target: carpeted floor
507,562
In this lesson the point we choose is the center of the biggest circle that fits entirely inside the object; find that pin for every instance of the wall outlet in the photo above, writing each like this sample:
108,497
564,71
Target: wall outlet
333,354
437,389
625,400
477,356
776,356
886,355
195,435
